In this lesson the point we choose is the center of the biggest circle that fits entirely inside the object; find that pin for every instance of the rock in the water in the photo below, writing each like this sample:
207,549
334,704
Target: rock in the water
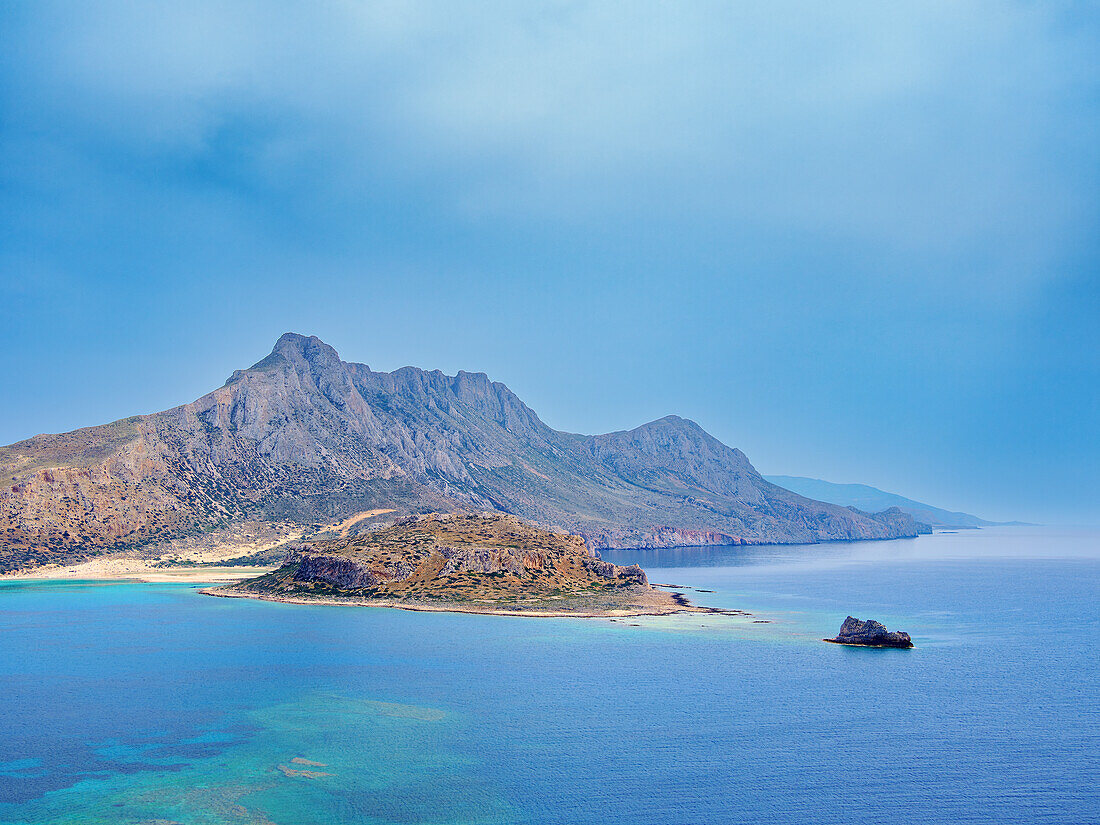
869,634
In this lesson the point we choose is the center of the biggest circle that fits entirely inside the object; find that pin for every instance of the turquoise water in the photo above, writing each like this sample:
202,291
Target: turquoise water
128,703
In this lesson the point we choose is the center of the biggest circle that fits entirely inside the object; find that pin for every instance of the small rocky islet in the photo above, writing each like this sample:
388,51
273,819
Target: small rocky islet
869,633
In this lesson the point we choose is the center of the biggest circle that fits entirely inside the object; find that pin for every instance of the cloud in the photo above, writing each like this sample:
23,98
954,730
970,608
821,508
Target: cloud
937,131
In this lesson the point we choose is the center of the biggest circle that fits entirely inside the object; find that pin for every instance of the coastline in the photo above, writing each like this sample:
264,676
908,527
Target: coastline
860,644
137,570
662,604
206,569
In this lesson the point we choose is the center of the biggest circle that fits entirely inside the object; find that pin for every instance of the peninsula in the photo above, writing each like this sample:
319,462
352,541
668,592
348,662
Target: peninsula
461,562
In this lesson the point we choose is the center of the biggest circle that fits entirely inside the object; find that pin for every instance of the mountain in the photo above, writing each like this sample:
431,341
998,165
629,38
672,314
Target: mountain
873,499
303,436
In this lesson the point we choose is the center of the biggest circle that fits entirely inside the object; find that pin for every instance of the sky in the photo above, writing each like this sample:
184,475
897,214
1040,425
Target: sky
857,240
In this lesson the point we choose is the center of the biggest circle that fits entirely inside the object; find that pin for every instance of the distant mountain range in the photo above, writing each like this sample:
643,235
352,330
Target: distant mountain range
864,497
303,436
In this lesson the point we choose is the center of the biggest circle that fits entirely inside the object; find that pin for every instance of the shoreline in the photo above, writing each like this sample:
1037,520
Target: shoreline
679,604
875,647
219,581
137,570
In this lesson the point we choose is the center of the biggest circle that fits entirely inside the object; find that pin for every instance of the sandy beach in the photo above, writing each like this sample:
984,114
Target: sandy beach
115,569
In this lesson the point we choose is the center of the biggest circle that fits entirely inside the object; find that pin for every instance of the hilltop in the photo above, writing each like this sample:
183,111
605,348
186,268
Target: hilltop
473,562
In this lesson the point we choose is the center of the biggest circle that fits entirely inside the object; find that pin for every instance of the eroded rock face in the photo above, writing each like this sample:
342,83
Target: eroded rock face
870,633
629,574
335,570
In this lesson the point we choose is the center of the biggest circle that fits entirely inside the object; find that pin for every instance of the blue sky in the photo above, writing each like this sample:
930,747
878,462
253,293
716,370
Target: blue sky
858,241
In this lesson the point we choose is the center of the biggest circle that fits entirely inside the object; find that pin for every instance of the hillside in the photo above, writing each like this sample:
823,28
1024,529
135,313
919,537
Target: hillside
479,562
303,436
869,498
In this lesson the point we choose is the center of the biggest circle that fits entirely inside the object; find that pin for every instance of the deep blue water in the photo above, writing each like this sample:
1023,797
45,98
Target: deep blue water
129,703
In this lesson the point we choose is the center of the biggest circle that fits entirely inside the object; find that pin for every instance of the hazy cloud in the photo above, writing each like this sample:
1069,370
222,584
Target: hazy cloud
910,127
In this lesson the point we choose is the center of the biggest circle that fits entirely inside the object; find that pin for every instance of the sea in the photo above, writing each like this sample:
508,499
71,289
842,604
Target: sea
152,703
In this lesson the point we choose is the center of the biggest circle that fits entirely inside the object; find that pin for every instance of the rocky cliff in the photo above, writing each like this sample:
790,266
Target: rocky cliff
302,435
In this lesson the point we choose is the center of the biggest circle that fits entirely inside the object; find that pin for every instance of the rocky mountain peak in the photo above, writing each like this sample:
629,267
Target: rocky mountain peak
311,350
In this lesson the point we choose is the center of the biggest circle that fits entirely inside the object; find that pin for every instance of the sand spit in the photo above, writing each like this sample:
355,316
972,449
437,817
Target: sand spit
139,570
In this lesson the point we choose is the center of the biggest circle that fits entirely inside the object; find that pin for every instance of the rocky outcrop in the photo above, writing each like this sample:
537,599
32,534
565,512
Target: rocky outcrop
483,560
304,436
340,572
628,574
442,556
869,634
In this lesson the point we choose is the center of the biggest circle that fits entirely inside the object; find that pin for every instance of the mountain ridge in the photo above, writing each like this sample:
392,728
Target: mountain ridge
303,435
865,496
